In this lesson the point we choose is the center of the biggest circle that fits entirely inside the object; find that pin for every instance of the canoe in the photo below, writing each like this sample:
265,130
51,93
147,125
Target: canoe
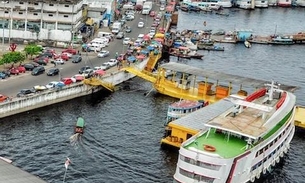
80,125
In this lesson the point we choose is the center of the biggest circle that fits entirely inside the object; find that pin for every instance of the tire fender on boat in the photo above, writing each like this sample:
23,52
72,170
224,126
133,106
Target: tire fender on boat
281,154
269,168
265,171
252,179
258,175
273,162
277,159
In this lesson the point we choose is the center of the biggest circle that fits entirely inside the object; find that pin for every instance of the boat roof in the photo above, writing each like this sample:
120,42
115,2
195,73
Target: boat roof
256,83
197,119
186,104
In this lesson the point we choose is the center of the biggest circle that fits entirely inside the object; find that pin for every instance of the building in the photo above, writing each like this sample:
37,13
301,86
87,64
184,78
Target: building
54,20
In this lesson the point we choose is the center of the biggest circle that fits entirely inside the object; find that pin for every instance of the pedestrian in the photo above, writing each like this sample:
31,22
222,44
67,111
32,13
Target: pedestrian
116,55
54,64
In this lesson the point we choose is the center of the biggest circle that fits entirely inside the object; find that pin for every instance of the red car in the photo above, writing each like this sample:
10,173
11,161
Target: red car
14,71
21,69
152,14
44,58
68,81
70,50
3,98
65,57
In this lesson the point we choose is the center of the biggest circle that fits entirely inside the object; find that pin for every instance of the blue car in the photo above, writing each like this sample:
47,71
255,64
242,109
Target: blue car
4,74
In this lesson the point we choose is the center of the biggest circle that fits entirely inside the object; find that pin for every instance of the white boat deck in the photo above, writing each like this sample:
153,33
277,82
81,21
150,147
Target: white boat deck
250,122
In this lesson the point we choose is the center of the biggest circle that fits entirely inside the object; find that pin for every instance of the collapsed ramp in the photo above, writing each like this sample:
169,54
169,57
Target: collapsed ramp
153,59
148,76
99,82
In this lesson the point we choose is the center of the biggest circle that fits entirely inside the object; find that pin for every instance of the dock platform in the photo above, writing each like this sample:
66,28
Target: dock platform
299,119
12,174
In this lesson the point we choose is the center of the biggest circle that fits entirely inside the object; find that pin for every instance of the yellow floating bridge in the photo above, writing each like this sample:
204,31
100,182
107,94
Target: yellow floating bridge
299,118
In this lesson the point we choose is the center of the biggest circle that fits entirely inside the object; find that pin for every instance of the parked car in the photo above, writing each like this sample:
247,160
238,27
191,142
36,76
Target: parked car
21,69
45,58
88,73
3,98
152,14
4,74
78,77
129,17
38,70
128,29
105,66
126,40
141,24
58,61
68,81
103,53
47,54
41,62
82,69
39,88
120,35
26,92
162,8
29,67
14,71
55,84
34,64
76,58
112,62
70,50
53,72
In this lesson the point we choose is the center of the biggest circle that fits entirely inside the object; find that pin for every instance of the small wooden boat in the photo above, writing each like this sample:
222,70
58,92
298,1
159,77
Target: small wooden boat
247,44
214,48
80,125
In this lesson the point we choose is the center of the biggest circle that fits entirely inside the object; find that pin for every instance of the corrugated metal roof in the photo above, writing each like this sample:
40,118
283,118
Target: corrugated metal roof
235,79
197,119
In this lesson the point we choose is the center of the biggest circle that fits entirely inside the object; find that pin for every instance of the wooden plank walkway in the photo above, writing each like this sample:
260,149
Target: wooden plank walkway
12,174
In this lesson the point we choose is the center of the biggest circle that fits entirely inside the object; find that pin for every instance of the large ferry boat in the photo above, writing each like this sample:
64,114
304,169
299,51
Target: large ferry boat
242,140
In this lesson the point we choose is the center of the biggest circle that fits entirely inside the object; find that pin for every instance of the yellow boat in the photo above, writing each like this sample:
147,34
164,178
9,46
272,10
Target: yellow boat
299,118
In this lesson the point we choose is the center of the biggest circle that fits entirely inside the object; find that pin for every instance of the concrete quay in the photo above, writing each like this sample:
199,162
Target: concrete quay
49,97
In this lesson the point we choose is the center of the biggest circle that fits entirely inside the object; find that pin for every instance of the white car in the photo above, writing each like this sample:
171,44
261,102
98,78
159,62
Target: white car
52,84
103,53
126,40
105,66
58,61
97,68
112,62
141,24
138,42
140,36
162,8
88,73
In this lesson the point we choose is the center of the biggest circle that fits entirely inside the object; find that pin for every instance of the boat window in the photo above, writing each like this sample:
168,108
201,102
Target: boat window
188,136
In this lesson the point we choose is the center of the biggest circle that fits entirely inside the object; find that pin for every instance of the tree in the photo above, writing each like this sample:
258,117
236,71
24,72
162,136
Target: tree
32,49
13,57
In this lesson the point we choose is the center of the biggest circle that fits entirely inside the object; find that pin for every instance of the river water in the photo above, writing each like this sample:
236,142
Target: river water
121,142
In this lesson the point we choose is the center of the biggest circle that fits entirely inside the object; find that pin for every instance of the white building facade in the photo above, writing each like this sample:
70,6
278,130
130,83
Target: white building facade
54,20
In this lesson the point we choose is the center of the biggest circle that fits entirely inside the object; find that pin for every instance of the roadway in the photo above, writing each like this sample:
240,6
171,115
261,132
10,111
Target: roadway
14,84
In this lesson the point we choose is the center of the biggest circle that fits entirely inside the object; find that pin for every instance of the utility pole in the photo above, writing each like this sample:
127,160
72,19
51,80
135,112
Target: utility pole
72,27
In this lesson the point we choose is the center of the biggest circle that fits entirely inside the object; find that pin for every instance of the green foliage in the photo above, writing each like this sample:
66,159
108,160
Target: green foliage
32,49
12,57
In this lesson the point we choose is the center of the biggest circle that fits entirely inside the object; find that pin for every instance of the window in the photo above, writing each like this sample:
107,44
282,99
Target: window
51,4
20,2
66,16
35,14
50,15
66,5
35,3
20,13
